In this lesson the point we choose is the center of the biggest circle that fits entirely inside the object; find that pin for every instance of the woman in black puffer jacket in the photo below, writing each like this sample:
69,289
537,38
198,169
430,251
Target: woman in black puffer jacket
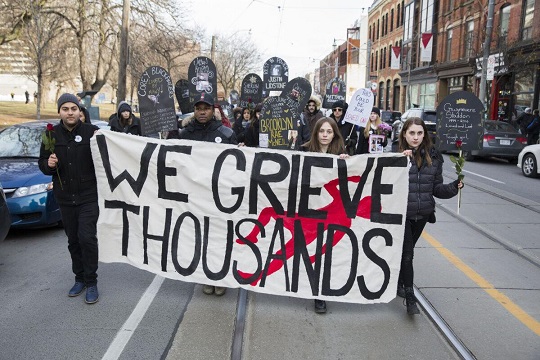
425,183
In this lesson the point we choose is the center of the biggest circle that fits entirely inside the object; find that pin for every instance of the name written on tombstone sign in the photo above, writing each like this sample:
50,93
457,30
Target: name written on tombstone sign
459,117
275,74
156,101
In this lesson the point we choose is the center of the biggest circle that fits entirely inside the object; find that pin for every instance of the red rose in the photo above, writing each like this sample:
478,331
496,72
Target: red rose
249,99
459,143
50,127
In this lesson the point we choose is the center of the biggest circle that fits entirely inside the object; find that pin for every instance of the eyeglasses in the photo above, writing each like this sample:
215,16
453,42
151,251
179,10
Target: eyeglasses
337,109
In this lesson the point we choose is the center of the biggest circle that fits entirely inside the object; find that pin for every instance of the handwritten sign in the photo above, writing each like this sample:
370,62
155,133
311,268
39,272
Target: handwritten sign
202,78
278,128
336,90
288,223
459,117
275,75
155,92
251,90
234,97
299,90
360,107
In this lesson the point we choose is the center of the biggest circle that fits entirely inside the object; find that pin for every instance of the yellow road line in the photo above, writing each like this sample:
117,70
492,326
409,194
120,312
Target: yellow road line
502,299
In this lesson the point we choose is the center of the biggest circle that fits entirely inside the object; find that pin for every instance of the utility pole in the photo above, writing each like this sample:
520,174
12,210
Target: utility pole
487,45
122,65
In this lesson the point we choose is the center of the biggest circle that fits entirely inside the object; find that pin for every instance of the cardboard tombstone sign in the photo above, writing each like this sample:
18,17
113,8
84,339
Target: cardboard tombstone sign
155,92
299,90
278,128
360,107
275,75
336,90
459,117
181,90
251,90
202,78
227,108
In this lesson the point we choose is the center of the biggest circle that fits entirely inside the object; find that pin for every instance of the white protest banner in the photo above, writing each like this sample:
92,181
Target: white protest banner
280,222
360,107
426,47
395,60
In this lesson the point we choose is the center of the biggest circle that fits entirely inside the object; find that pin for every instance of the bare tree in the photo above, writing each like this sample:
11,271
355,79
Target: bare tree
235,57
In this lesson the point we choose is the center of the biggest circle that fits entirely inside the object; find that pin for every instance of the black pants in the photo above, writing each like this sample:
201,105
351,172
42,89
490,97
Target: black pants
413,230
80,226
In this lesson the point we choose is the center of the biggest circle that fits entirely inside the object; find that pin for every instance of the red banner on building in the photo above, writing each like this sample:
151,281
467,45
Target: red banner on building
396,58
426,47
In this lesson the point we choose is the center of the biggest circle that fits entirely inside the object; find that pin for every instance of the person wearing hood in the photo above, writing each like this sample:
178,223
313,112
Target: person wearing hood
347,129
308,118
85,115
125,121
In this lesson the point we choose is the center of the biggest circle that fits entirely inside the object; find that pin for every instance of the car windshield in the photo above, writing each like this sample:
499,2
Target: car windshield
20,141
430,116
499,126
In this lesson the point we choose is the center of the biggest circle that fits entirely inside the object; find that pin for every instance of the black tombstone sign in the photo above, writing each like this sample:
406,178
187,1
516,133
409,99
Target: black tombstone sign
251,90
299,90
278,126
202,78
335,91
227,108
459,117
156,101
275,75
181,90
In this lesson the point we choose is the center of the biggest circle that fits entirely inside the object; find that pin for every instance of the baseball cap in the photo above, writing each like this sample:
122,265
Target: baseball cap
205,98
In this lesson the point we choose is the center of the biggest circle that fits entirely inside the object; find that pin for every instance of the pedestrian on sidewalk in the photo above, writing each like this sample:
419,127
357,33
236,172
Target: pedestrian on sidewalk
533,129
425,182
75,190
27,96
325,138
205,127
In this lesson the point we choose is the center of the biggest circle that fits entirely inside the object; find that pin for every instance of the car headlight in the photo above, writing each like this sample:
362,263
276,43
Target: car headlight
31,190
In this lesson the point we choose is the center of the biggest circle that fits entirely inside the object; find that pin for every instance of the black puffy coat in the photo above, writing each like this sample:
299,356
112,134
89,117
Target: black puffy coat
75,165
425,184
212,131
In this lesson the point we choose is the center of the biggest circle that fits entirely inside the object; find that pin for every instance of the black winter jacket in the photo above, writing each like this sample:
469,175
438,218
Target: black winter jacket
212,131
75,165
424,184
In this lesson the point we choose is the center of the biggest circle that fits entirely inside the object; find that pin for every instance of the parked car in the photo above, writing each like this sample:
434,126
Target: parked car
28,192
528,160
5,218
500,140
390,117
428,116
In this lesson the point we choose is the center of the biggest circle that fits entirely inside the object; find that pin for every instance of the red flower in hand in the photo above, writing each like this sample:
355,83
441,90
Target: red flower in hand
459,143
50,127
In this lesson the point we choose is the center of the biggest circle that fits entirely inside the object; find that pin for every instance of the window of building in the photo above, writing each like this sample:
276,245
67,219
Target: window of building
528,15
469,39
376,60
380,105
398,15
386,24
402,11
427,96
396,93
448,55
378,27
408,30
390,55
450,5
426,22
388,89
504,20
392,20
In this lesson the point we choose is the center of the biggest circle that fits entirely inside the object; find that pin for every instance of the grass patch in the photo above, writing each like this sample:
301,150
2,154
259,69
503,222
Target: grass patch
14,112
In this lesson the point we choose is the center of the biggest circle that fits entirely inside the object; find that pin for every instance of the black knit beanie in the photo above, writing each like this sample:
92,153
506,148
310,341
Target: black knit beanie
65,98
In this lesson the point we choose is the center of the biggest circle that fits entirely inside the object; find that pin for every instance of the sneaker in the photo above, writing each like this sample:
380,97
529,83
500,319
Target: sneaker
77,289
208,289
320,306
92,295
219,291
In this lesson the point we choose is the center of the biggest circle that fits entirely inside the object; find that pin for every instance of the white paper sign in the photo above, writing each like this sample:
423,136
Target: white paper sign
360,107
281,222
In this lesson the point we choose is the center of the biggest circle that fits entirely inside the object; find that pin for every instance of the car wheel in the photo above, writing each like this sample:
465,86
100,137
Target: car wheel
468,156
529,166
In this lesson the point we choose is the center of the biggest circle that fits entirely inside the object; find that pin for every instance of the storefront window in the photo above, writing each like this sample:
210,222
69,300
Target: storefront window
427,96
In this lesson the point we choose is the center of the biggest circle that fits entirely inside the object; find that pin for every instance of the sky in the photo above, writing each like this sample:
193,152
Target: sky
301,32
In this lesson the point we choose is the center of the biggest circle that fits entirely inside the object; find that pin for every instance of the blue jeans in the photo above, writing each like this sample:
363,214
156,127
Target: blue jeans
80,225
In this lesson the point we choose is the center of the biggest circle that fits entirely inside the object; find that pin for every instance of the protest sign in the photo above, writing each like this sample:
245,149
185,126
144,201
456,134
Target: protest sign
336,90
360,107
287,223
275,75
234,96
181,90
298,90
155,92
202,78
459,117
278,127
251,90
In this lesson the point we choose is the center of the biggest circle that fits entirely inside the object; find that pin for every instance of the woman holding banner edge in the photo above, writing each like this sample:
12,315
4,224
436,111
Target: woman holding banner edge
325,138
425,183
